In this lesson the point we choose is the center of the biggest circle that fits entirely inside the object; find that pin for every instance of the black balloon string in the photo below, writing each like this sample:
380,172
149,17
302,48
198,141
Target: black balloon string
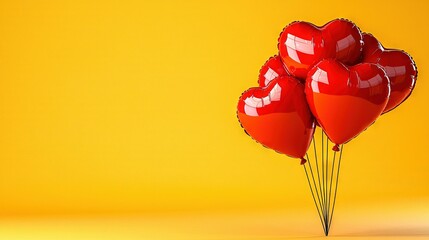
314,181
314,199
317,165
323,181
330,184
336,185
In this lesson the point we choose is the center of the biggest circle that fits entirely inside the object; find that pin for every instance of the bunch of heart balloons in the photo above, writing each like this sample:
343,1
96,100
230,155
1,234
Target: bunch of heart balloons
334,77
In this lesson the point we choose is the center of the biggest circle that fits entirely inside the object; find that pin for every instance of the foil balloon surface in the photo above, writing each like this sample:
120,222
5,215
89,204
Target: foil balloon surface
272,68
346,100
398,65
278,116
302,45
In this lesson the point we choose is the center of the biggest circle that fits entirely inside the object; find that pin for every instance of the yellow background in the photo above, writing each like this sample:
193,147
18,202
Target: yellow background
128,107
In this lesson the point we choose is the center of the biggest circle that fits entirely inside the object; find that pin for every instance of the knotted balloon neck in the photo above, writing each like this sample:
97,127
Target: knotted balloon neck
303,161
336,148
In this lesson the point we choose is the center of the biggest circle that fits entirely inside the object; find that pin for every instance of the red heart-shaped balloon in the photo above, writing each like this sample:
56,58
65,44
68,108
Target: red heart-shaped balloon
346,100
278,116
302,45
271,69
398,65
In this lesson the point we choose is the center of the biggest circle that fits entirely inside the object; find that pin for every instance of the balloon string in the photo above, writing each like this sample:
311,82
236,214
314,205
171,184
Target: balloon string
314,181
327,202
323,177
330,185
314,199
317,166
336,185
318,180
323,191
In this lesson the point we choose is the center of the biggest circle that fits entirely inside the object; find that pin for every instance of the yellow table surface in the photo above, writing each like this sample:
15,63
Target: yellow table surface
387,221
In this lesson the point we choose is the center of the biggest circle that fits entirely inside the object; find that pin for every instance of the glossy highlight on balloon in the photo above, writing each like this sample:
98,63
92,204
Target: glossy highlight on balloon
346,100
398,65
272,68
302,45
278,116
